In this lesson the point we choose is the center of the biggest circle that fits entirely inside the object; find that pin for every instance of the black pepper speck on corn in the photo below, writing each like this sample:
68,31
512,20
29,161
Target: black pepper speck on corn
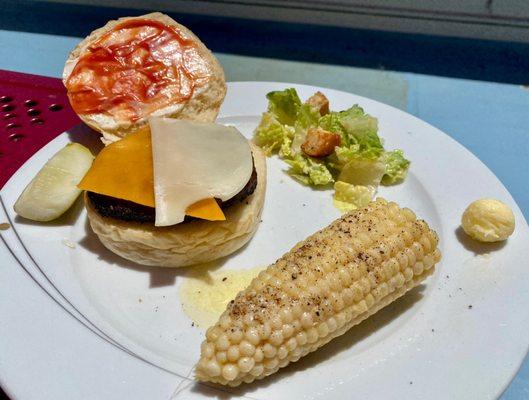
317,291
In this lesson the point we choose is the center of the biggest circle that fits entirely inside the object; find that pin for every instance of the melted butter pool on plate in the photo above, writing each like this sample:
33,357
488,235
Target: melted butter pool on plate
205,294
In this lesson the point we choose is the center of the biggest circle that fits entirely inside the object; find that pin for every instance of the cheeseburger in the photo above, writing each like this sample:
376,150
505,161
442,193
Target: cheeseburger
171,188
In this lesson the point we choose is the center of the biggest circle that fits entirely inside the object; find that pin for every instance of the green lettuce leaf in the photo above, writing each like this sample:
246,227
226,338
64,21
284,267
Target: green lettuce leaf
357,183
271,135
344,154
285,123
309,171
349,197
357,129
284,105
332,123
396,167
363,172
362,131
285,151
307,116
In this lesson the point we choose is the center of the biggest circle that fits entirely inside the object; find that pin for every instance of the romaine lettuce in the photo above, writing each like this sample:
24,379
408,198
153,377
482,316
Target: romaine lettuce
309,171
357,166
396,167
284,105
348,197
270,135
361,171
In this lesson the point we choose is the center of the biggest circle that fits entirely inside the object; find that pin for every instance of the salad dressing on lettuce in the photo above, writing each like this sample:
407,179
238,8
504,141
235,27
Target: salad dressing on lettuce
356,166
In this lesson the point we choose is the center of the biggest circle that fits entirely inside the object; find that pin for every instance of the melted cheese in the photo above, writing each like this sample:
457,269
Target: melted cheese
124,170
206,209
194,161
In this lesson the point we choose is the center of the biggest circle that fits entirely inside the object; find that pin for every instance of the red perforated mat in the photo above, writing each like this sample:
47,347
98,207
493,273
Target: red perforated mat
33,110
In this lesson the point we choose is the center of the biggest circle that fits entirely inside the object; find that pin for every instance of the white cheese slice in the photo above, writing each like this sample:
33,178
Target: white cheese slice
193,161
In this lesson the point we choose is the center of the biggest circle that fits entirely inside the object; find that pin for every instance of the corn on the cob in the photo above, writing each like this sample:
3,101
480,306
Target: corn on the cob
326,284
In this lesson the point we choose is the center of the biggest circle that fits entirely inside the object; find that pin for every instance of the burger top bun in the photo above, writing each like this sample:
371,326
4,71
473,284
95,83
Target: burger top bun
136,67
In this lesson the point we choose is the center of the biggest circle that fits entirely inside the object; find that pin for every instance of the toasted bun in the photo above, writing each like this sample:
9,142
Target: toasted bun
185,244
203,105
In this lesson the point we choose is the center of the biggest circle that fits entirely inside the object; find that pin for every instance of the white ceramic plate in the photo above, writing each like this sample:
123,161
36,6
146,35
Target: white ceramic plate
72,324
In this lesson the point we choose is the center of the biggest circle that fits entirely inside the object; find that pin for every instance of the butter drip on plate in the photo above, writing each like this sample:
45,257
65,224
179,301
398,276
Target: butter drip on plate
205,294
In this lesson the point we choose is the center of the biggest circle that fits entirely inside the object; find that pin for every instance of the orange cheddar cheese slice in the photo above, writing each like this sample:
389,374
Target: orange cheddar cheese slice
206,209
124,170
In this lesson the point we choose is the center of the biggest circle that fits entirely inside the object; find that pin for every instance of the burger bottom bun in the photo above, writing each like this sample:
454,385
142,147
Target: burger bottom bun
185,244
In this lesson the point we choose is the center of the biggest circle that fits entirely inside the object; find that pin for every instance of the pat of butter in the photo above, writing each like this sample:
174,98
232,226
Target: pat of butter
488,220
205,294
195,161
